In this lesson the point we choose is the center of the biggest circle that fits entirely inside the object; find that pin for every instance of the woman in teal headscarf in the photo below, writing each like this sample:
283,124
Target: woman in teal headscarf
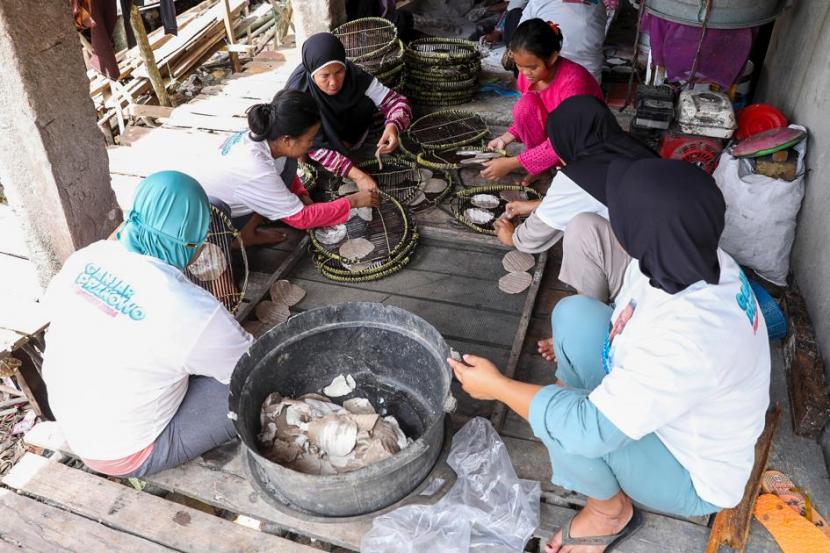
138,358
169,219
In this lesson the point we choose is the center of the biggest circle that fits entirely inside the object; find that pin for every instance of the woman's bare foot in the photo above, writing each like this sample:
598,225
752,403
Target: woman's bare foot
545,348
597,518
261,236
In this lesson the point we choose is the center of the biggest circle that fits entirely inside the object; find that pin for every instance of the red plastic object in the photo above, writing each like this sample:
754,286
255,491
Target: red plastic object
768,142
703,151
758,118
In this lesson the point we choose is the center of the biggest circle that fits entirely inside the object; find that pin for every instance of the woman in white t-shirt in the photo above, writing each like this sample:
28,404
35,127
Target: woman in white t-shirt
138,358
661,397
255,172
587,138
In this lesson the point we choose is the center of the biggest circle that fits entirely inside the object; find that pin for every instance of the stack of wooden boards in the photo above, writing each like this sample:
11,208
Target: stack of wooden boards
201,33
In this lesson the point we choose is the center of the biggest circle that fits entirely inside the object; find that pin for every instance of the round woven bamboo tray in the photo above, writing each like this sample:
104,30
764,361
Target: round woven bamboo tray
399,177
390,218
335,270
366,37
448,160
390,74
450,128
446,51
461,201
385,61
437,73
434,199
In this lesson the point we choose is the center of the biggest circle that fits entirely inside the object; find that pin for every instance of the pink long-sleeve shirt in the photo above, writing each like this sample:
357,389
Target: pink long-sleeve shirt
571,79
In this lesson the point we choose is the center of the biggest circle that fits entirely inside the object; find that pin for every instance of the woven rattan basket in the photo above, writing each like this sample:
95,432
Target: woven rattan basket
308,175
367,38
441,51
445,129
461,201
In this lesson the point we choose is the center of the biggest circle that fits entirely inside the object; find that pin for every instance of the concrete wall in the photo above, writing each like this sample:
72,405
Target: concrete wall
316,16
796,79
53,159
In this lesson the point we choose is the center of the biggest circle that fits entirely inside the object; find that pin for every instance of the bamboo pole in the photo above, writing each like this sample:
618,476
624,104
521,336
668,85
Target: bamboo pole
147,56
231,39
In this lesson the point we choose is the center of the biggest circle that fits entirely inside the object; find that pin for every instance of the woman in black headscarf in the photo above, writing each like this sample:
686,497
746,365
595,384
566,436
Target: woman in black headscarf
348,98
659,398
587,138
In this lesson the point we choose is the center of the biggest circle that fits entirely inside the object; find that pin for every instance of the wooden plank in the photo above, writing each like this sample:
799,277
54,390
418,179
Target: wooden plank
286,266
207,122
21,316
454,289
148,110
126,509
659,534
38,528
804,365
500,410
732,526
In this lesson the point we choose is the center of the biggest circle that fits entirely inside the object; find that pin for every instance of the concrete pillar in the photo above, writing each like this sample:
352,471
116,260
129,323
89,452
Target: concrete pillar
53,159
316,16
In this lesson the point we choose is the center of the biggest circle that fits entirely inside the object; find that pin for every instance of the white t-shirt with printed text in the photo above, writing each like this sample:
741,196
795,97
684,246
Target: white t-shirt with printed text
244,175
126,332
694,368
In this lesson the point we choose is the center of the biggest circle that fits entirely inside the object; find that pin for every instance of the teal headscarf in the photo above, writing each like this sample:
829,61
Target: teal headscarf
169,219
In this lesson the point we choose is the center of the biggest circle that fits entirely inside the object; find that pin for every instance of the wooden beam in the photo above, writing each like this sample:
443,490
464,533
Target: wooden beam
128,510
804,367
147,110
500,410
731,526
231,39
147,55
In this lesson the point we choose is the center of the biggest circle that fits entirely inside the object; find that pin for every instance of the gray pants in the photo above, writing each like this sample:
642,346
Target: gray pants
200,424
593,261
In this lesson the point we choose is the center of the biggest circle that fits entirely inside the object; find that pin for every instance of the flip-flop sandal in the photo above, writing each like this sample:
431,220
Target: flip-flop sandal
780,484
792,532
610,541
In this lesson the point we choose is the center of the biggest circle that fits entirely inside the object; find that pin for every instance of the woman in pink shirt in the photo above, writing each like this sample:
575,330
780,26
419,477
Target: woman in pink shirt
545,80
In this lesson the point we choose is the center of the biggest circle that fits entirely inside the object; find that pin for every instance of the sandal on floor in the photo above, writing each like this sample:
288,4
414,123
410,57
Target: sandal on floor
611,540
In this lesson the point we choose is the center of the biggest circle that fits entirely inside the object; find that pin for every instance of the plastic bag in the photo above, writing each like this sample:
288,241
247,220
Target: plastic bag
488,510
760,215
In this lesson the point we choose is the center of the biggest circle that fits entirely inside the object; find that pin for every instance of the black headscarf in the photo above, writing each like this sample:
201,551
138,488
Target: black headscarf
586,136
669,215
347,114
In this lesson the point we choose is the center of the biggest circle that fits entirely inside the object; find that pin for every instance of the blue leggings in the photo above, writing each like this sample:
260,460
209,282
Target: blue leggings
644,469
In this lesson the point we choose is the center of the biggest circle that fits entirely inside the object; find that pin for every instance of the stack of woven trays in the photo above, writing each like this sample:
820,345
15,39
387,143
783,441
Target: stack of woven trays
441,71
390,231
372,43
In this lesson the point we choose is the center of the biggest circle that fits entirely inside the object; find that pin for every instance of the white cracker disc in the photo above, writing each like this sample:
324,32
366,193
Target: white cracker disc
485,201
356,248
285,292
272,313
478,216
514,283
364,213
348,187
516,262
330,235
426,174
419,198
513,195
435,186
210,264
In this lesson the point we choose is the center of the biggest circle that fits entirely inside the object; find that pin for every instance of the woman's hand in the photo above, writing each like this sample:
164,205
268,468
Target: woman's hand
364,198
499,167
362,180
306,199
388,142
521,208
479,377
504,231
501,142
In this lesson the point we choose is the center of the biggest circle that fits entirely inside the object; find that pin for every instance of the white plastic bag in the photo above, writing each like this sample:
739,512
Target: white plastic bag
488,510
761,215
